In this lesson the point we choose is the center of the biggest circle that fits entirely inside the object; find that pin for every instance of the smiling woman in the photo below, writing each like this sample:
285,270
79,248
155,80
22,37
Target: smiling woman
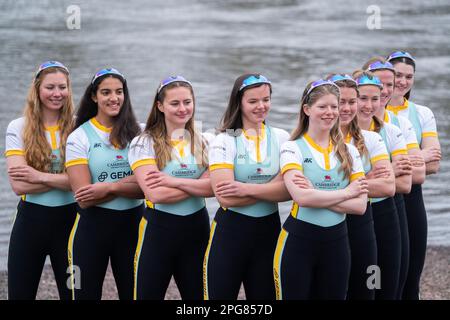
104,187
35,151
246,181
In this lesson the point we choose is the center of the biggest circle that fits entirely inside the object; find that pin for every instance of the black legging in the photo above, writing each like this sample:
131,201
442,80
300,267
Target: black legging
98,235
37,232
363,249
241,250
387,231
403,223
417,226
312,262
170,245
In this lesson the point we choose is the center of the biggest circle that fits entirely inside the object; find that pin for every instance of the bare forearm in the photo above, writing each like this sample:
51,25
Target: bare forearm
166,195
236,201
418,175
56,181
432,167
351,206
126,189
403,184
313,198
92,203
379,188
21,187
272,191
196,187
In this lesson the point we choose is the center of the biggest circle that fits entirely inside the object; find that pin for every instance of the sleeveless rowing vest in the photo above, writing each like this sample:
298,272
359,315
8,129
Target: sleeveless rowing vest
247,170
186,168
107,164
321,179
54,197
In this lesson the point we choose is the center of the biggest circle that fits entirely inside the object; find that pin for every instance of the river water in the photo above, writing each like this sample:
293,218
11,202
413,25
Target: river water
211,42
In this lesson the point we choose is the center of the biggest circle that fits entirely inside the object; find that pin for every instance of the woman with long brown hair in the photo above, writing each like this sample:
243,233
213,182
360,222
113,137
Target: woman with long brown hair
35,155
108,197
170,162
312,258
245,176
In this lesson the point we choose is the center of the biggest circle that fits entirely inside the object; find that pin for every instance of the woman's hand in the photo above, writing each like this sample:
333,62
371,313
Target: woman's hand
402,166
378,172
357,187
92,192
26,173
232,188
431,154
416,160
155,179
302,182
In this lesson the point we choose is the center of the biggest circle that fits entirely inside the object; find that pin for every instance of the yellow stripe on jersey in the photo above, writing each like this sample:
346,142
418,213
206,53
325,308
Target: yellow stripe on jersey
277,263
97,124
221,166
143,162
76,162
257,140
291,166
205,261
429,134
378,158
52,130
326,152
399,151
356,175
396,109
14,152
410,146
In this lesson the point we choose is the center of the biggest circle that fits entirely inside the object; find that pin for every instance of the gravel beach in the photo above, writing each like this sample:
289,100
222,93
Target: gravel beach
435,283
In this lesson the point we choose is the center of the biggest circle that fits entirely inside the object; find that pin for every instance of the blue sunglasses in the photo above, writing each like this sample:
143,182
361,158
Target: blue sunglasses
172,79
400,54
254,80
50,64
365,80
106,71
341,77
378,65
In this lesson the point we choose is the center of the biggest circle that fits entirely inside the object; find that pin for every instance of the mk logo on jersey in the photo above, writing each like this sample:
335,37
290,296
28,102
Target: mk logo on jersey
307,160
97,145
183,166
119,157
259,170
327,178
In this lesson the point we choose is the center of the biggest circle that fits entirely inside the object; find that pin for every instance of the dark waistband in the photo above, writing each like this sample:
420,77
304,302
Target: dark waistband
166,219
100,212
308,230
232,219
58,212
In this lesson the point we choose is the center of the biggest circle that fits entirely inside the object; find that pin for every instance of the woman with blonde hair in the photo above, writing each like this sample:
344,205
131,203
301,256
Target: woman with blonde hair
35,155
312,258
